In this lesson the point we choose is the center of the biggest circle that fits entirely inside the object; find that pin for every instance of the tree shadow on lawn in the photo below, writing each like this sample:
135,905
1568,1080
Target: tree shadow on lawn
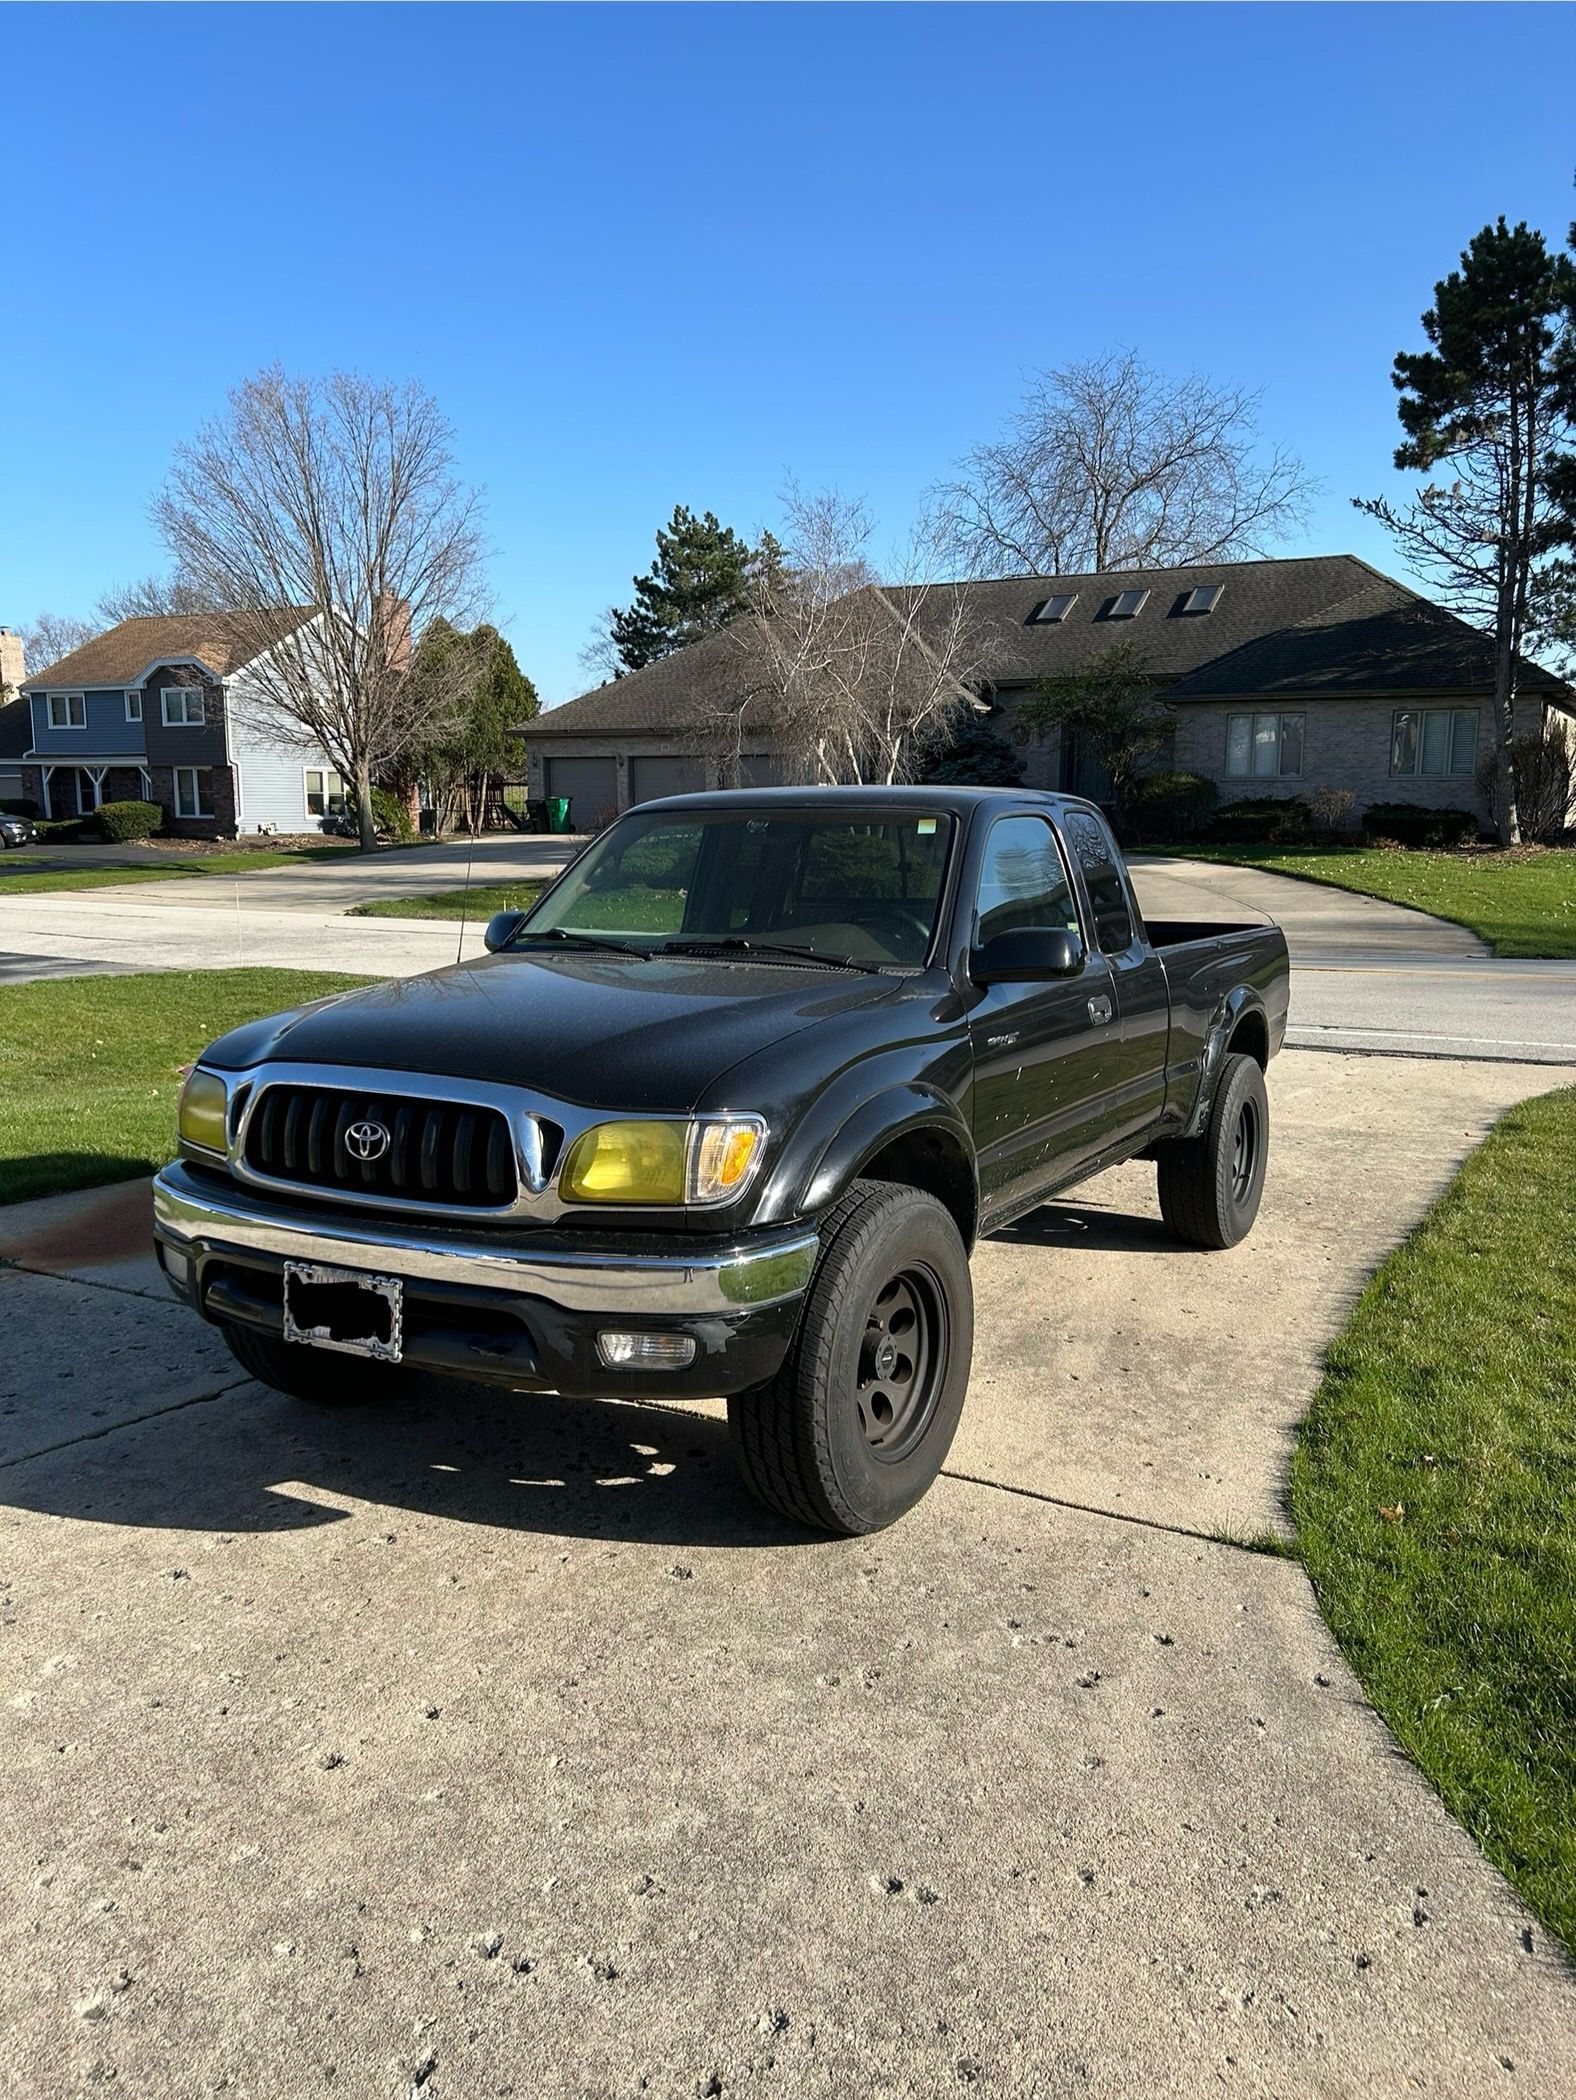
251,1460
25,1177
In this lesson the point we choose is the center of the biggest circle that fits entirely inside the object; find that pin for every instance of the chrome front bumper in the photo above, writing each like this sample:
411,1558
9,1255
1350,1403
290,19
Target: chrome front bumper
190,1215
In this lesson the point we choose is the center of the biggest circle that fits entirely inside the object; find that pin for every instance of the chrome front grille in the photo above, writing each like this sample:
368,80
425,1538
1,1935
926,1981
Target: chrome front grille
369,1144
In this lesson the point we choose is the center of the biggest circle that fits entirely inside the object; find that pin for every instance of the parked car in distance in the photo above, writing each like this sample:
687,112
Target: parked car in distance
723,1114
17,831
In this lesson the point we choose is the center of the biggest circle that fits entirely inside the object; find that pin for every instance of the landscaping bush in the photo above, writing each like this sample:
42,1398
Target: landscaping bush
973,756
66,831
1543,767
1411,824
1169,806
391,814
1269,820
22,806
119,822
1331,809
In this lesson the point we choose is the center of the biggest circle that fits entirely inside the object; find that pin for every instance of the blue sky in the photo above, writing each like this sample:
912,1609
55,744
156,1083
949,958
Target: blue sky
669,254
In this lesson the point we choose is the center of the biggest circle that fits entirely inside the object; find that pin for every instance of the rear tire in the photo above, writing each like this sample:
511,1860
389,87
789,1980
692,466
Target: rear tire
1210,1185
857,1423
322,1377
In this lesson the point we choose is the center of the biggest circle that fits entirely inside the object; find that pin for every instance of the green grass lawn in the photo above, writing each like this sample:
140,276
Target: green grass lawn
1520,906
22,873
90,1066
1433,1494
479,902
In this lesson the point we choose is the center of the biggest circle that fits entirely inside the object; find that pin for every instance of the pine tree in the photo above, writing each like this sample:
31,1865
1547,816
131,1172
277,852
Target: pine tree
699,581
1487,418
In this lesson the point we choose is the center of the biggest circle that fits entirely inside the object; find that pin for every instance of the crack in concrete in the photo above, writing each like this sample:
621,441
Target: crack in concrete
1117,1516
93,1436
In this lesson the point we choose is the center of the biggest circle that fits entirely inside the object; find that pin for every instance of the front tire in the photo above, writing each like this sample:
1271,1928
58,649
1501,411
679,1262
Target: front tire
857,1423
1211,1185
322,1377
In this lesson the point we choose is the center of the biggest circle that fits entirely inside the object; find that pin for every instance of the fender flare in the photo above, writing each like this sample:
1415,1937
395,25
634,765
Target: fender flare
1242,1003
835,1143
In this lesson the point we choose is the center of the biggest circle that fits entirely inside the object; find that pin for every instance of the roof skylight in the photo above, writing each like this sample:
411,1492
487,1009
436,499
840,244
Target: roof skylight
1127,605
1051,611
1203,598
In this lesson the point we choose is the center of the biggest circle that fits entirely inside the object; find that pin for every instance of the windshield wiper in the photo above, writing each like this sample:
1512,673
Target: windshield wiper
566,937
736,944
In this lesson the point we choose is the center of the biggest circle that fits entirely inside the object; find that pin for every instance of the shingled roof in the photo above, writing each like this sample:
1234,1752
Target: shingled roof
1313,624
222,640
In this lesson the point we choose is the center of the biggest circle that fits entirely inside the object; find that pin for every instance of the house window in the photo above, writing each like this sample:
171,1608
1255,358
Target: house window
182,706
1263,747
325,792
1127,605
1050,612
68,711
193,797
1203,598
1437,742
134,707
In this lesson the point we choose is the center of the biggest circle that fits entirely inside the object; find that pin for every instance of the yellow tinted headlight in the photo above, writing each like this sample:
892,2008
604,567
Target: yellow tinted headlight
202,1112
725,1153
626,1163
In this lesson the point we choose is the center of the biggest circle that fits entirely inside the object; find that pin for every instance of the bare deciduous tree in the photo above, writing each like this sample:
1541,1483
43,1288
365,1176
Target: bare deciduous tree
51,636
339,494
1108,464
853,675
152,597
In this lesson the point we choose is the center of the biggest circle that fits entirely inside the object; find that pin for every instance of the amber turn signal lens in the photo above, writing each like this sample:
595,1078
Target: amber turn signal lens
724,1153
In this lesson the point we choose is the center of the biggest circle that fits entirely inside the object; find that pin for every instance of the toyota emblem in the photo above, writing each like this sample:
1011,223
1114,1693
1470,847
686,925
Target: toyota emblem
366,1141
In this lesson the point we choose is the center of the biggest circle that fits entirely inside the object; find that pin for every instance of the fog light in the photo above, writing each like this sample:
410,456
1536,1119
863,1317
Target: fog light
645,1352
177,1266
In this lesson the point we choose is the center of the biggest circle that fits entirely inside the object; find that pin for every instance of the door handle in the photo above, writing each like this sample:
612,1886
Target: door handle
1100,1010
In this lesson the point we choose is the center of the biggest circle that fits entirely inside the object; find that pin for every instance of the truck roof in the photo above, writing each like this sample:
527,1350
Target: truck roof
958,800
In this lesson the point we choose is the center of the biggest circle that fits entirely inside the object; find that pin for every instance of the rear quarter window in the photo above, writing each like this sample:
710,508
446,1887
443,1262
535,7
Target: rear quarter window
1096,856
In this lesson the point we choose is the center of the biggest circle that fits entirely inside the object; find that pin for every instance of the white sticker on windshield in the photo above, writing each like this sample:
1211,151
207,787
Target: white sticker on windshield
925,826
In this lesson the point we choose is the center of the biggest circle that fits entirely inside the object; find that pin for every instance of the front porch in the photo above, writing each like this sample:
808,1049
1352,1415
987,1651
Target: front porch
79,788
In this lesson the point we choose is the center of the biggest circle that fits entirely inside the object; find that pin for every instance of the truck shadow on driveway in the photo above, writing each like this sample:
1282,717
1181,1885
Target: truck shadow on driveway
252,1461
1095,1230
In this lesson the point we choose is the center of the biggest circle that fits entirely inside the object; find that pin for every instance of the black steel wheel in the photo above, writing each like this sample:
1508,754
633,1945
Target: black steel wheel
856,1425
1211,1185
902,1362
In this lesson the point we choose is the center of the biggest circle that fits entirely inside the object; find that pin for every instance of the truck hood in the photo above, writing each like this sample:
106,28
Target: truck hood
596,1031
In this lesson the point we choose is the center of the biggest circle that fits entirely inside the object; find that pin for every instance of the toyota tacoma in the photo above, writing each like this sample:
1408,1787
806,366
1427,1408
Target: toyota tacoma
722,1115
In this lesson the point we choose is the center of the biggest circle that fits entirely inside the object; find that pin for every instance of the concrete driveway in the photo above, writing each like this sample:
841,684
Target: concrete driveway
489,1745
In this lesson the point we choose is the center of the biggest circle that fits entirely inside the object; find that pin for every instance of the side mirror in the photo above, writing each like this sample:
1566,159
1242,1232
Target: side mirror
1033,955
502,928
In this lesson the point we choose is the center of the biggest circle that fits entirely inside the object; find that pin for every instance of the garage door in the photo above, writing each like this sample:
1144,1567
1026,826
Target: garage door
651,777
591,786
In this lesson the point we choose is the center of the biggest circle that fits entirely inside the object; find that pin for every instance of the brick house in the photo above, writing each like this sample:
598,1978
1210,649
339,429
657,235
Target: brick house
164,710
1286,675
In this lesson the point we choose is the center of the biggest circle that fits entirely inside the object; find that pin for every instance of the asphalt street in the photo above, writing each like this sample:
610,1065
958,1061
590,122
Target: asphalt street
494,1745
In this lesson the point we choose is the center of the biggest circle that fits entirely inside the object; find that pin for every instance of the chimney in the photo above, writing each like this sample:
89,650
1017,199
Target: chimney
12,664
394,617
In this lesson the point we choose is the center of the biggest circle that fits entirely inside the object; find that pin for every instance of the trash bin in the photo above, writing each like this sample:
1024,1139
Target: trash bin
558,812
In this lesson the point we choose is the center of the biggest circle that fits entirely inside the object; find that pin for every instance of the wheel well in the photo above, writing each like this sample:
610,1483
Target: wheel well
936,1162
1251,1038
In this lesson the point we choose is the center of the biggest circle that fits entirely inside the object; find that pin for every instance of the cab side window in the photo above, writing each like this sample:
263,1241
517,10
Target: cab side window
1023,883
1113,916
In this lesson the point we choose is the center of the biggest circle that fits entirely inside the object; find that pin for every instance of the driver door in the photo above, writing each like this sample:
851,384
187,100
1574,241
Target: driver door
1041,1051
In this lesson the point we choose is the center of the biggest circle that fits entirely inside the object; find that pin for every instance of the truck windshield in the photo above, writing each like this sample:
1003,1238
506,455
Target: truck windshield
844,887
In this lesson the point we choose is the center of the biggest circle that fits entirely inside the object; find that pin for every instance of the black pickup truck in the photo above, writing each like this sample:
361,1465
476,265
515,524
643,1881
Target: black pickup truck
722,1115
